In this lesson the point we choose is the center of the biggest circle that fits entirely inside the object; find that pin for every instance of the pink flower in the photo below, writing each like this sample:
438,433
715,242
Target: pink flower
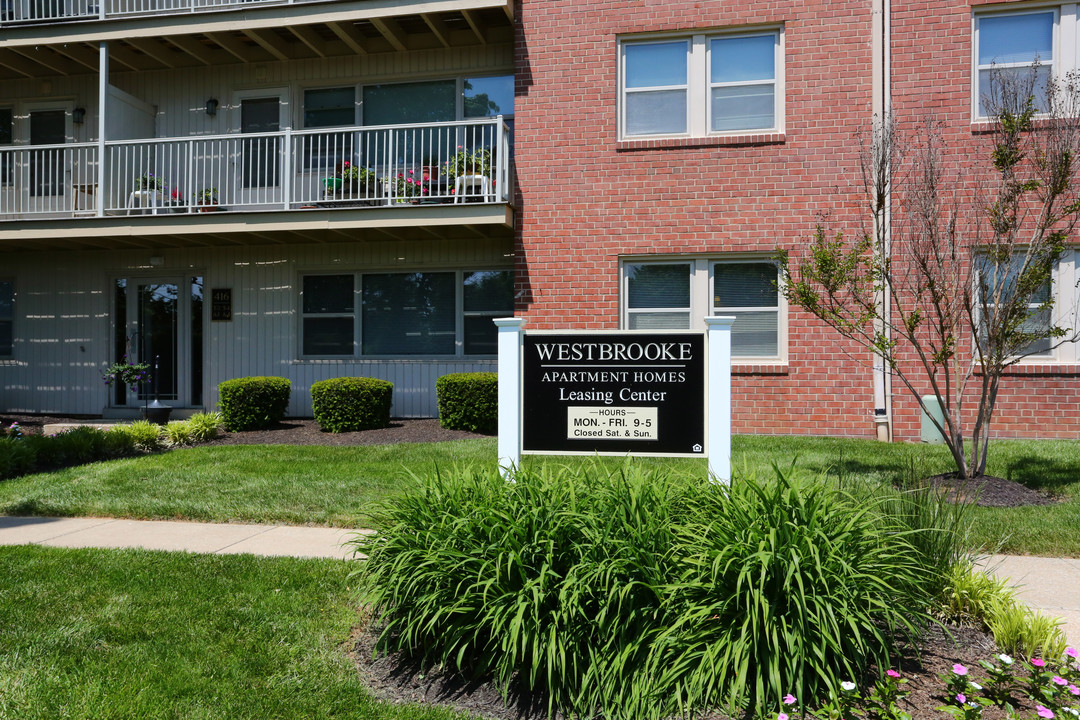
345,164
1074,690
1038,662
892,673
961,698
1072,652
1058,680
782,716
1044,712
789,699
959,669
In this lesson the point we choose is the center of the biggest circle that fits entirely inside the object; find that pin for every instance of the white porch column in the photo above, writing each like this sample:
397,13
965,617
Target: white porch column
510,337
718,409
103,99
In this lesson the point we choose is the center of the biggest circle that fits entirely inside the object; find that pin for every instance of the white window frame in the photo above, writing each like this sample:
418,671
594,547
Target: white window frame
699,83
358,310
1065,312
1065,56
701,296
781,331
11,318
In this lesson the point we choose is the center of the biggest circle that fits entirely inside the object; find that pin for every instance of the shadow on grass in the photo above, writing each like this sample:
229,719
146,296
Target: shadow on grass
1041,473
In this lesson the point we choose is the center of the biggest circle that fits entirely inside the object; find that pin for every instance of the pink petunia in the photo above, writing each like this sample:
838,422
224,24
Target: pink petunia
782,716
961,698
959,669
892,673
1074,690
1044,712
1072,652
789,699
1038,662
1058,680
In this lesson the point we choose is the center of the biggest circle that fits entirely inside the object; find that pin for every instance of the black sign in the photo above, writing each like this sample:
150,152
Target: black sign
221,304
614,393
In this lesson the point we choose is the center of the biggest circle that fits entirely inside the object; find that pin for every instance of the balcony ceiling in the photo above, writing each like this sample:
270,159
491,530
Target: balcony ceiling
250,35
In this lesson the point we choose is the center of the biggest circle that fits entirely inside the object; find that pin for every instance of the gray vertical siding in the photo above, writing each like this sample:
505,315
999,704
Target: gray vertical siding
63,327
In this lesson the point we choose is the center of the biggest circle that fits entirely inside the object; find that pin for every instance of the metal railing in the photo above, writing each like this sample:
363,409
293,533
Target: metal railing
393,165
43,11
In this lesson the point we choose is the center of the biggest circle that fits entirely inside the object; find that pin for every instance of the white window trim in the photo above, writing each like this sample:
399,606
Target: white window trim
357,354
701,285
699,85
1066,312
1066,49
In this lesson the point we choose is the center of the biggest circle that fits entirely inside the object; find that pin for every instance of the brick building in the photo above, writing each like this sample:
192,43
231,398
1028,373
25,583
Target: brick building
387,176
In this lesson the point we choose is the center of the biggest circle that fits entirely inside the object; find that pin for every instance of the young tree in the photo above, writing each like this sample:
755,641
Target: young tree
951,281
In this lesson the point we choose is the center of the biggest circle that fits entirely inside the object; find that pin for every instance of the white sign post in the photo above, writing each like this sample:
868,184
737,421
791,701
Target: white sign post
510,334
717,405
718,409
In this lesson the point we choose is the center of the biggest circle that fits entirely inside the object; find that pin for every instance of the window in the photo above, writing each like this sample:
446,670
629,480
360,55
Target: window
328,312
701,85
7,317
1010,44
418,102
1002,279
329,107
677,294
404,313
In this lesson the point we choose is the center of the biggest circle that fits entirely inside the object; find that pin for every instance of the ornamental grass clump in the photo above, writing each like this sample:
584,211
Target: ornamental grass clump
641,594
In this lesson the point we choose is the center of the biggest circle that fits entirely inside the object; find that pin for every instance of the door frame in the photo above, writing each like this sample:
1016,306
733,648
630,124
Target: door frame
184,332
260,195
39,203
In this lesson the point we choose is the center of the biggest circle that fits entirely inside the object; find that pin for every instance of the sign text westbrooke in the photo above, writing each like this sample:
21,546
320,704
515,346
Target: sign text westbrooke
614,393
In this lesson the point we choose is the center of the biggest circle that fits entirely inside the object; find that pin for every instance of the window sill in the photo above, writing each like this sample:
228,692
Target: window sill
1044,368
768,138
759,368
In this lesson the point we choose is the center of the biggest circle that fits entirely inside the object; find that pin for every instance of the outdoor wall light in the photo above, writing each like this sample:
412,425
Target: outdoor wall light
211,107
78,115
156,261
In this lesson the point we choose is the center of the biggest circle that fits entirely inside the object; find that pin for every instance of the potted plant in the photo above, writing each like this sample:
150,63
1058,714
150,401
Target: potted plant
351,181
469,162
149,182
408,187
206,199
176,200
132,375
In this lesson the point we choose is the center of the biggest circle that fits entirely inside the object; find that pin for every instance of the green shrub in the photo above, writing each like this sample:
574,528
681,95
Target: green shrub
144,434
119,442
469,401
204,426
642,595
351,403
177,432
17,457
252,403
75,446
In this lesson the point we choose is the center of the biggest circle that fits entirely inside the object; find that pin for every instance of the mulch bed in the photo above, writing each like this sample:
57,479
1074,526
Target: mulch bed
399,679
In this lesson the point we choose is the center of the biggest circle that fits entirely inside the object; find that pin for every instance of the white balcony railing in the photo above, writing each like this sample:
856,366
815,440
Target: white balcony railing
388,166
34,11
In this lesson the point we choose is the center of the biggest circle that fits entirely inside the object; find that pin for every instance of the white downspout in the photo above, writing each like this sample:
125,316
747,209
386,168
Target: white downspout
881,108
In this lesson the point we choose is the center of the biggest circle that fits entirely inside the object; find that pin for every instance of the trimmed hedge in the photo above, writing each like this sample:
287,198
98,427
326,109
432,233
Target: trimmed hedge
253,403
352,403
469,401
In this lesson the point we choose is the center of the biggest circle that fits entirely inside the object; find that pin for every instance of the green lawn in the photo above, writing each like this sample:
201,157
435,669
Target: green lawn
338,485
134,634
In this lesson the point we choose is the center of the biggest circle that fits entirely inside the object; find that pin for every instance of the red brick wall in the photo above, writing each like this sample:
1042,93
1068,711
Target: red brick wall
586,200
931,71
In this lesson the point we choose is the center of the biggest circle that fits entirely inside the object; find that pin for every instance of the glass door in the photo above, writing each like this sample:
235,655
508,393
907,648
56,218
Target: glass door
159,322
260,157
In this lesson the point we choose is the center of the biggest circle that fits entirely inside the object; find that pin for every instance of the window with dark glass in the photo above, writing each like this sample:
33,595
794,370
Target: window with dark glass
7,317
328,315
7,134
487,294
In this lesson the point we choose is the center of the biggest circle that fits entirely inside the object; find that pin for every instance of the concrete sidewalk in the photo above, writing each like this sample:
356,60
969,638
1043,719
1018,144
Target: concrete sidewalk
217,538
1051,585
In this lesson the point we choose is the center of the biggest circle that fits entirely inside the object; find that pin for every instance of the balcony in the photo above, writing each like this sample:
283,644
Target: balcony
462,166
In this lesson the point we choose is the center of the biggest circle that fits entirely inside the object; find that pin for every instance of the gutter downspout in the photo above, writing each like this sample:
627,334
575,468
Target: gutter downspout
881,108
